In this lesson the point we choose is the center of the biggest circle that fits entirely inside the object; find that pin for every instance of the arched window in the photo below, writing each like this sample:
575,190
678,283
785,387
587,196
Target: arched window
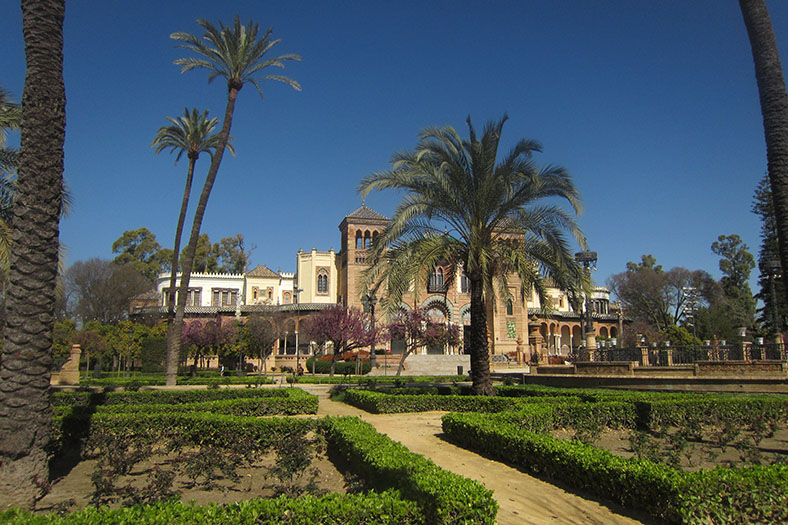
465,283
367,240
322,282
509,307
436,281
359,240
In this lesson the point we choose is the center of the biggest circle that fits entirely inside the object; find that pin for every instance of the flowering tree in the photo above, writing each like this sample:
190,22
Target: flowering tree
258,336
345,328
418,329
208,338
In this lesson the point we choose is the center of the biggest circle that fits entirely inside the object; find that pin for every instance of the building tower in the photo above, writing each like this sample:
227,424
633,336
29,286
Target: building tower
358,230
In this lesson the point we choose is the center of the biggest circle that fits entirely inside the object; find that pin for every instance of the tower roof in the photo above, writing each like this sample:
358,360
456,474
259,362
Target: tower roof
366,213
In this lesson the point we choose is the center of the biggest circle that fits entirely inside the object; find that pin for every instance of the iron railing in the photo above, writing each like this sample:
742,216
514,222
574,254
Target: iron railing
685,355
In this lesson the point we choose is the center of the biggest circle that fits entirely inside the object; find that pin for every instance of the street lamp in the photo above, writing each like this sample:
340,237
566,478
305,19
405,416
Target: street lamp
369,301
588,259
774,269
690,312
296,290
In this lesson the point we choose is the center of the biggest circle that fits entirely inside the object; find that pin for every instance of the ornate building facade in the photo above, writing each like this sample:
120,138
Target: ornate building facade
517,326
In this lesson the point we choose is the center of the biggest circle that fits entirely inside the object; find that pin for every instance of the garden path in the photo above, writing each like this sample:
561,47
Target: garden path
522,499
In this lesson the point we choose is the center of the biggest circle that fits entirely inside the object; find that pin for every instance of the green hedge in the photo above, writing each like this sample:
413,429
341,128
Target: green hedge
706,410
258,406
148,397
378,380
341,367
382,403
371,508
446,497
722,495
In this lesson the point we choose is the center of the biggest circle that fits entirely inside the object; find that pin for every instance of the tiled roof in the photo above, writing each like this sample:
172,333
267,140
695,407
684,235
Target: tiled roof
262,271
366,213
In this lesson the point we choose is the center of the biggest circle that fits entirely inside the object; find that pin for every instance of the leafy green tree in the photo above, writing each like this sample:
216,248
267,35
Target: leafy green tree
763,206
140,249
92,343
232,255
657,298
193,134
238,54
10,117
774,108
205,259
62,338
25,408
464,207
736,263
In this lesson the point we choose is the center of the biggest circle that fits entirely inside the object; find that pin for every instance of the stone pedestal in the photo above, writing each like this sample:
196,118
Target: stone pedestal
69,372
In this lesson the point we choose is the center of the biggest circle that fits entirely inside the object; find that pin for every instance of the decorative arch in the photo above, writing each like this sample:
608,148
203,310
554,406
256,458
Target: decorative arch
613,332
577,337
441,302
367,240
359,240
603,331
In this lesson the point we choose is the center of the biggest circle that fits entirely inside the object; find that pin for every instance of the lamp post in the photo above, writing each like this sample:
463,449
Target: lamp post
588,259
369,301
774,268
296,290
689,314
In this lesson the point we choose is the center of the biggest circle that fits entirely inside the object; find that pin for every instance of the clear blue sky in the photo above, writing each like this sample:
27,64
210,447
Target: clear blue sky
651,106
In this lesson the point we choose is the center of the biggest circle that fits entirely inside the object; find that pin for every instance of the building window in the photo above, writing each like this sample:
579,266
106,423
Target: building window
254,292
192,296
509,307
286,297
367,240
436,283
322,282
359,240
465,284
224,297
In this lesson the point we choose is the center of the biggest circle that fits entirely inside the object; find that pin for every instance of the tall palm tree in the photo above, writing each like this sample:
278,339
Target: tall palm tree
465,209
25,410
774,108
193,134
237,53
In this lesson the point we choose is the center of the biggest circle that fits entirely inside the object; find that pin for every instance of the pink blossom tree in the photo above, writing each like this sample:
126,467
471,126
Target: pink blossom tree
208,338
345,328
418,329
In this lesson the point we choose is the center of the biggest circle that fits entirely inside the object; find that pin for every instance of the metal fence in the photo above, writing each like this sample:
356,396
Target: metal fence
685,355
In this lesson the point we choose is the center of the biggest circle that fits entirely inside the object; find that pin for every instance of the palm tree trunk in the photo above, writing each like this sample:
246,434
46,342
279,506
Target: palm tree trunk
172,358
174,335
774,108
480,353
25,409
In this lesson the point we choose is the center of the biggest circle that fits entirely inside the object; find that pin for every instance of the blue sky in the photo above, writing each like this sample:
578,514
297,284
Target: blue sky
651,106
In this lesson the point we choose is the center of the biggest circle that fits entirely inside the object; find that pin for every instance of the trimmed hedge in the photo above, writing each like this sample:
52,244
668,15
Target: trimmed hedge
341,367
382,403
256,406
722,495
445,497
371,508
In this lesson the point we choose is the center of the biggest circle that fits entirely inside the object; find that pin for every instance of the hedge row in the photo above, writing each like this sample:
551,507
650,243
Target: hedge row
706,410
440,496
723,495
362,509
377,380
444,496
149,397
257,406
381,403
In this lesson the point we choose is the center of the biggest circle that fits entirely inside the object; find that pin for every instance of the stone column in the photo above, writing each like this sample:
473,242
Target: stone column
69,372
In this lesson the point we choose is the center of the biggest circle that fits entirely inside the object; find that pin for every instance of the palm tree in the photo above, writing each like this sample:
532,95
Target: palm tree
461,210
774,108
10,115
193,134
25,409
238,54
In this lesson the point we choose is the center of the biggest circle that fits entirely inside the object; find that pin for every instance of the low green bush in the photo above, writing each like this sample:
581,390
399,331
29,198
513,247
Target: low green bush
722,495
445,497
338,509
256,406
382,403
341,368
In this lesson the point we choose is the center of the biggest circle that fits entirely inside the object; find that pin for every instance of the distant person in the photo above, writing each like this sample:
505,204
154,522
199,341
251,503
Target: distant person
221,370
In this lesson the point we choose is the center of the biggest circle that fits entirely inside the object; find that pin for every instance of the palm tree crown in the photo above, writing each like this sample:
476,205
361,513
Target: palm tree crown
235,53
193,133
467,209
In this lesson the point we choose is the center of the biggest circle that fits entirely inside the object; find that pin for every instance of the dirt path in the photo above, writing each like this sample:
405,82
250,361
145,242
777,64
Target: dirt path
522,498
